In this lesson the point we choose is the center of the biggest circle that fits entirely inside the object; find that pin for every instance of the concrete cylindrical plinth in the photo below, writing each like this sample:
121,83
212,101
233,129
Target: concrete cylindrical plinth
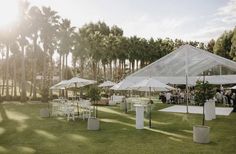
139,116
210,111
207,110
201,134
213,109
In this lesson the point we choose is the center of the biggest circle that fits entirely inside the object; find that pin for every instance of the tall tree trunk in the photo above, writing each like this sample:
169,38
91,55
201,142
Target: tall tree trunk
34,67
51,74
119,70
94,66
130,66
60,75
123,67
66,74
12,86
60,71
111,73
14,76
115,69
3,81
82,67
104,71
2,73
45,79
142,63
133,62
82,60
31,85
137,64
7,72
66,67
63,67
98,70
23,82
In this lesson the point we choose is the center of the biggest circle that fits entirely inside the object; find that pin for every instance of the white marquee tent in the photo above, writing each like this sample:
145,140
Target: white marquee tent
185,66
191,62
186,62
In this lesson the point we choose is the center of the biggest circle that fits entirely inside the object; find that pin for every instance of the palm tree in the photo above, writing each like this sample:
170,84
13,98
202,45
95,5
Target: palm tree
48,38
80,51
134,43
95,51
23,32
23,42
66,33
15,55
8,36
35,19
122,55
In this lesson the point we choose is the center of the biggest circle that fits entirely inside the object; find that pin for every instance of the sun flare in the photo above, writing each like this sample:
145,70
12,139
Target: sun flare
8,12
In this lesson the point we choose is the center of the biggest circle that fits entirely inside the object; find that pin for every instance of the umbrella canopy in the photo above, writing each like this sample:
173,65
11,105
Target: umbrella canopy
234,87
124,85
151,84
60,85
79,82
107,84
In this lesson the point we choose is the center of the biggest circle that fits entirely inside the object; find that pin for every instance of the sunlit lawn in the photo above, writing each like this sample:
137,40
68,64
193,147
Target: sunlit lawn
23,131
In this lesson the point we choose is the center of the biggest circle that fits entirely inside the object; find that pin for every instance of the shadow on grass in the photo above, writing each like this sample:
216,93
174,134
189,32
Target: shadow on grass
112,111
50,135
172,136
56,135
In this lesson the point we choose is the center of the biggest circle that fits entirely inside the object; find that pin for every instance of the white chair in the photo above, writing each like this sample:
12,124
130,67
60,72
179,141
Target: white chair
55,108
85,109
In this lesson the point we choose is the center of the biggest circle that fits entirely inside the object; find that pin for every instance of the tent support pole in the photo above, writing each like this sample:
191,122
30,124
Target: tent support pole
187,93
186,73
150,109
220,75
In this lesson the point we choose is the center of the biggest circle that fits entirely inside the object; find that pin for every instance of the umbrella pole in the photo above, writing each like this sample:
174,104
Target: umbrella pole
75,93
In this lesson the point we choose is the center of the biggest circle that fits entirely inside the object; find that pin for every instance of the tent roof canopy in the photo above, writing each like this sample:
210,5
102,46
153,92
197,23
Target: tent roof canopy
187,60
186,63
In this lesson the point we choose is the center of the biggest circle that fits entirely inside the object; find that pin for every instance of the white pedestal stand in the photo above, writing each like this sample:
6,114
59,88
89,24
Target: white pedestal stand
210,112
139,116
213,109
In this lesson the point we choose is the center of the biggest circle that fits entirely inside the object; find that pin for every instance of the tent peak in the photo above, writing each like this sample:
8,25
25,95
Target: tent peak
188,59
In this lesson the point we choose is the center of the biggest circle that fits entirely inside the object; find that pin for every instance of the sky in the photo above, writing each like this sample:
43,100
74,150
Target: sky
199,20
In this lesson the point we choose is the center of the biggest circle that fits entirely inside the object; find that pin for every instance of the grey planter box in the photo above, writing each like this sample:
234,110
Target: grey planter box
93,124
201,134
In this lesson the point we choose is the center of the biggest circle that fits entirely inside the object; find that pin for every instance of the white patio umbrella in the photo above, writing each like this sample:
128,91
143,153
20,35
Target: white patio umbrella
151,84
60,85
125,84
234,87
107,84
79,82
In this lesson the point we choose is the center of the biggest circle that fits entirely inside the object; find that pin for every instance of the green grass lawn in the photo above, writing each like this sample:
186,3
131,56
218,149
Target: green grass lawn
22,130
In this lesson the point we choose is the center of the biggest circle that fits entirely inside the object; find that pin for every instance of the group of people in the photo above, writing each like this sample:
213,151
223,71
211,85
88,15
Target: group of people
225,97
228,97
176,97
